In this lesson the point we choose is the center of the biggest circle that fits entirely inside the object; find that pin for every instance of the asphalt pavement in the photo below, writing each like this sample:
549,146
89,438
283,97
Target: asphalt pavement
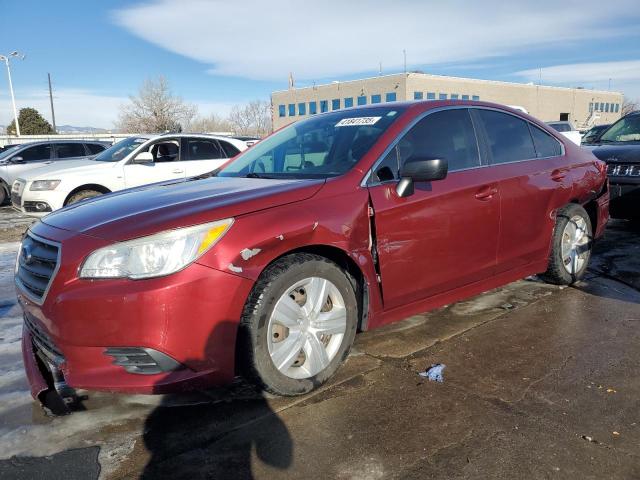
540,382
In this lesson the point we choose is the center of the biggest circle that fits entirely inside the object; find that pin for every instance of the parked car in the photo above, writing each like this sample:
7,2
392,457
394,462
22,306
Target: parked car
8,146
268,266
17,160
619,146
592,136
249,140
568,130
129,163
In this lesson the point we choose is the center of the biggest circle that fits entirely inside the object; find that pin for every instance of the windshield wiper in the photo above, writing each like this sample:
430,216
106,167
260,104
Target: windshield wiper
258,175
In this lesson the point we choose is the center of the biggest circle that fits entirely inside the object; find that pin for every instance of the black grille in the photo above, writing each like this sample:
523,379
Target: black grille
622,170
16,200
37,264
42,341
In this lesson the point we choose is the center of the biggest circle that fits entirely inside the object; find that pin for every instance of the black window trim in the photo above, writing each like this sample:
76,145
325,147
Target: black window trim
184,147
27,146
484,162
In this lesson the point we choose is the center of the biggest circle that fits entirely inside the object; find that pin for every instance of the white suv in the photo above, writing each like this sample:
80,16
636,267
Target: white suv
129,163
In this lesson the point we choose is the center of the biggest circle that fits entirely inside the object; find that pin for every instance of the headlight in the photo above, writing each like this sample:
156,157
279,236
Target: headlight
156,255
44,185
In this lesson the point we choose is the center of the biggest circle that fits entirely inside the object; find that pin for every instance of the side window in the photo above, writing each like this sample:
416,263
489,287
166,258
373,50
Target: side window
229,150
448,134
95,148
69,150
166,151
203,150
35,154
508,137
545,144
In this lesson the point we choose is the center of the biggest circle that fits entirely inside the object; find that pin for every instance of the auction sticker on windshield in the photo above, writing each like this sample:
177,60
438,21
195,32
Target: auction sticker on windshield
357,121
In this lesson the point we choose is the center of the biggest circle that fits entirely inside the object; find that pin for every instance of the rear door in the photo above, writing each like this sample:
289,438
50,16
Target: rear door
534,180
444,235
167,164
28,159
202,155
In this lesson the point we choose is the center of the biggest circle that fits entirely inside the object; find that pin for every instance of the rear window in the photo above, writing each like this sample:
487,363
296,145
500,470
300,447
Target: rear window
508,136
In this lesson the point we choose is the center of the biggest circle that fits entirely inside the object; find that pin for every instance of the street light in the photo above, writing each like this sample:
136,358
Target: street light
5,59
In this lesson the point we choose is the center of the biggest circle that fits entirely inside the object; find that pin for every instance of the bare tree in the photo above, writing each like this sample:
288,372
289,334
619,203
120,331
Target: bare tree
253,118
629,105
211,124
155,109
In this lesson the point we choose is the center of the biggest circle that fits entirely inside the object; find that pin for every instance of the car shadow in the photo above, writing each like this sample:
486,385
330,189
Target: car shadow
217,434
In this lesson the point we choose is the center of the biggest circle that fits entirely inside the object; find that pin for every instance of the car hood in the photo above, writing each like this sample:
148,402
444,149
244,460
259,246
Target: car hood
618,153
163,206
65,167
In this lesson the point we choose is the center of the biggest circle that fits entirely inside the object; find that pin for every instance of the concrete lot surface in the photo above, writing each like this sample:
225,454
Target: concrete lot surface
540,382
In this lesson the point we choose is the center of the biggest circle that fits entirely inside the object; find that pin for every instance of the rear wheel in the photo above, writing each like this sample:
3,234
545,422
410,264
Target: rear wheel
4,193
571,246
298,325
83,195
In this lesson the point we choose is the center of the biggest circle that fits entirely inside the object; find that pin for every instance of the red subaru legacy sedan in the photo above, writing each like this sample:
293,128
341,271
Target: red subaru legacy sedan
269,266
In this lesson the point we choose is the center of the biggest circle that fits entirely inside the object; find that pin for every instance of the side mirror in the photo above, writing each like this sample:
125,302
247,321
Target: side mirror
420,170
144,158
17,159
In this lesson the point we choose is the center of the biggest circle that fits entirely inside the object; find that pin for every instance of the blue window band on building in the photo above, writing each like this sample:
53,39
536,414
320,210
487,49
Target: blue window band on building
324,106
475,98
431,95
454,96
292,109
417,95
362,100
376,98
465,97
348,102
390,97
302,109
442,96
335,104
282,110
313,108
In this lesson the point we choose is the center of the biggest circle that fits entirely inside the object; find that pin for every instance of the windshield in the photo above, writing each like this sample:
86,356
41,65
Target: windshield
118,151
320,147
9,151
626,129
593,134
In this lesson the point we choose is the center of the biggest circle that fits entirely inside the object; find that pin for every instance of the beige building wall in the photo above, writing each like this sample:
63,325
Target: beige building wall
544,102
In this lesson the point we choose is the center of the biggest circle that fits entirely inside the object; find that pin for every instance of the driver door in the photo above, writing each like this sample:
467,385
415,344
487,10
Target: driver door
166,165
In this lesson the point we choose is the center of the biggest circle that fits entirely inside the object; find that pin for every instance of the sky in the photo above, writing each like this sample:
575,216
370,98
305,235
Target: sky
217,54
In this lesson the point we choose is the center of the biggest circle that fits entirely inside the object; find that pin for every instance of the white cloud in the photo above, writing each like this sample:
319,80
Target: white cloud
624,75
266,40
73,107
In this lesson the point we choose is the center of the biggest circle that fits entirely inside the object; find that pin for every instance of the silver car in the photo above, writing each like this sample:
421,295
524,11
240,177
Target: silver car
27,156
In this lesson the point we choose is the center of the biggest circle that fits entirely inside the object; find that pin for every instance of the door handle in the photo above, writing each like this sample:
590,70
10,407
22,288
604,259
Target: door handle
177,171
486,193
558,175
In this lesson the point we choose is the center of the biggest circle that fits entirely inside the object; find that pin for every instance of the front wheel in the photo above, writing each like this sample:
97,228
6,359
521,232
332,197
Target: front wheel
83,195
571,246
298,324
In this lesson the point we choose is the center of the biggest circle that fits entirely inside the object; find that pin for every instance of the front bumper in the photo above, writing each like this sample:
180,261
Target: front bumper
191,316
625,199
37,204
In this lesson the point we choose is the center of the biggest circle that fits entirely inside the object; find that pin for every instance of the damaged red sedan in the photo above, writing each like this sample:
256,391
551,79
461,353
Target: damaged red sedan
268,267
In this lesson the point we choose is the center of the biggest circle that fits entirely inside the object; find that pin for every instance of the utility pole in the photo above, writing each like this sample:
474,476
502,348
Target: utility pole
380,69
5,58
404,53
53,114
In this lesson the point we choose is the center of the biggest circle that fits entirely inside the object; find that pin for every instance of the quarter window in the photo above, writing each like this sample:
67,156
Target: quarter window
448,135
70,150
229,150
545,144
95,148
508,137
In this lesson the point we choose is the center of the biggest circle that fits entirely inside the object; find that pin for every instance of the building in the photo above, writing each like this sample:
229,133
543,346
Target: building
584,108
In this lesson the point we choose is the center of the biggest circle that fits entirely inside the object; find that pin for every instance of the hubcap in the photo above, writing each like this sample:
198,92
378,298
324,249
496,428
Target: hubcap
575,244
306,328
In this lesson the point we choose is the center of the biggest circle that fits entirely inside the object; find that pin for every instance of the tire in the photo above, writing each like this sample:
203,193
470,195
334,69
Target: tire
82,195
573,229
4,193
264,339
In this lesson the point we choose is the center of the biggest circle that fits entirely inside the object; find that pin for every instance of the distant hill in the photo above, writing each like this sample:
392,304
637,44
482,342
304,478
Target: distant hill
67,129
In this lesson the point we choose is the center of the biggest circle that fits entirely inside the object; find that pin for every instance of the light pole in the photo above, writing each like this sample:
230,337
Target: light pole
5,58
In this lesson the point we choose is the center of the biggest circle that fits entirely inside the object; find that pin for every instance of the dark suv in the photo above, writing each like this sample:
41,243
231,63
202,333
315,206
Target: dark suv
619,147
27,156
